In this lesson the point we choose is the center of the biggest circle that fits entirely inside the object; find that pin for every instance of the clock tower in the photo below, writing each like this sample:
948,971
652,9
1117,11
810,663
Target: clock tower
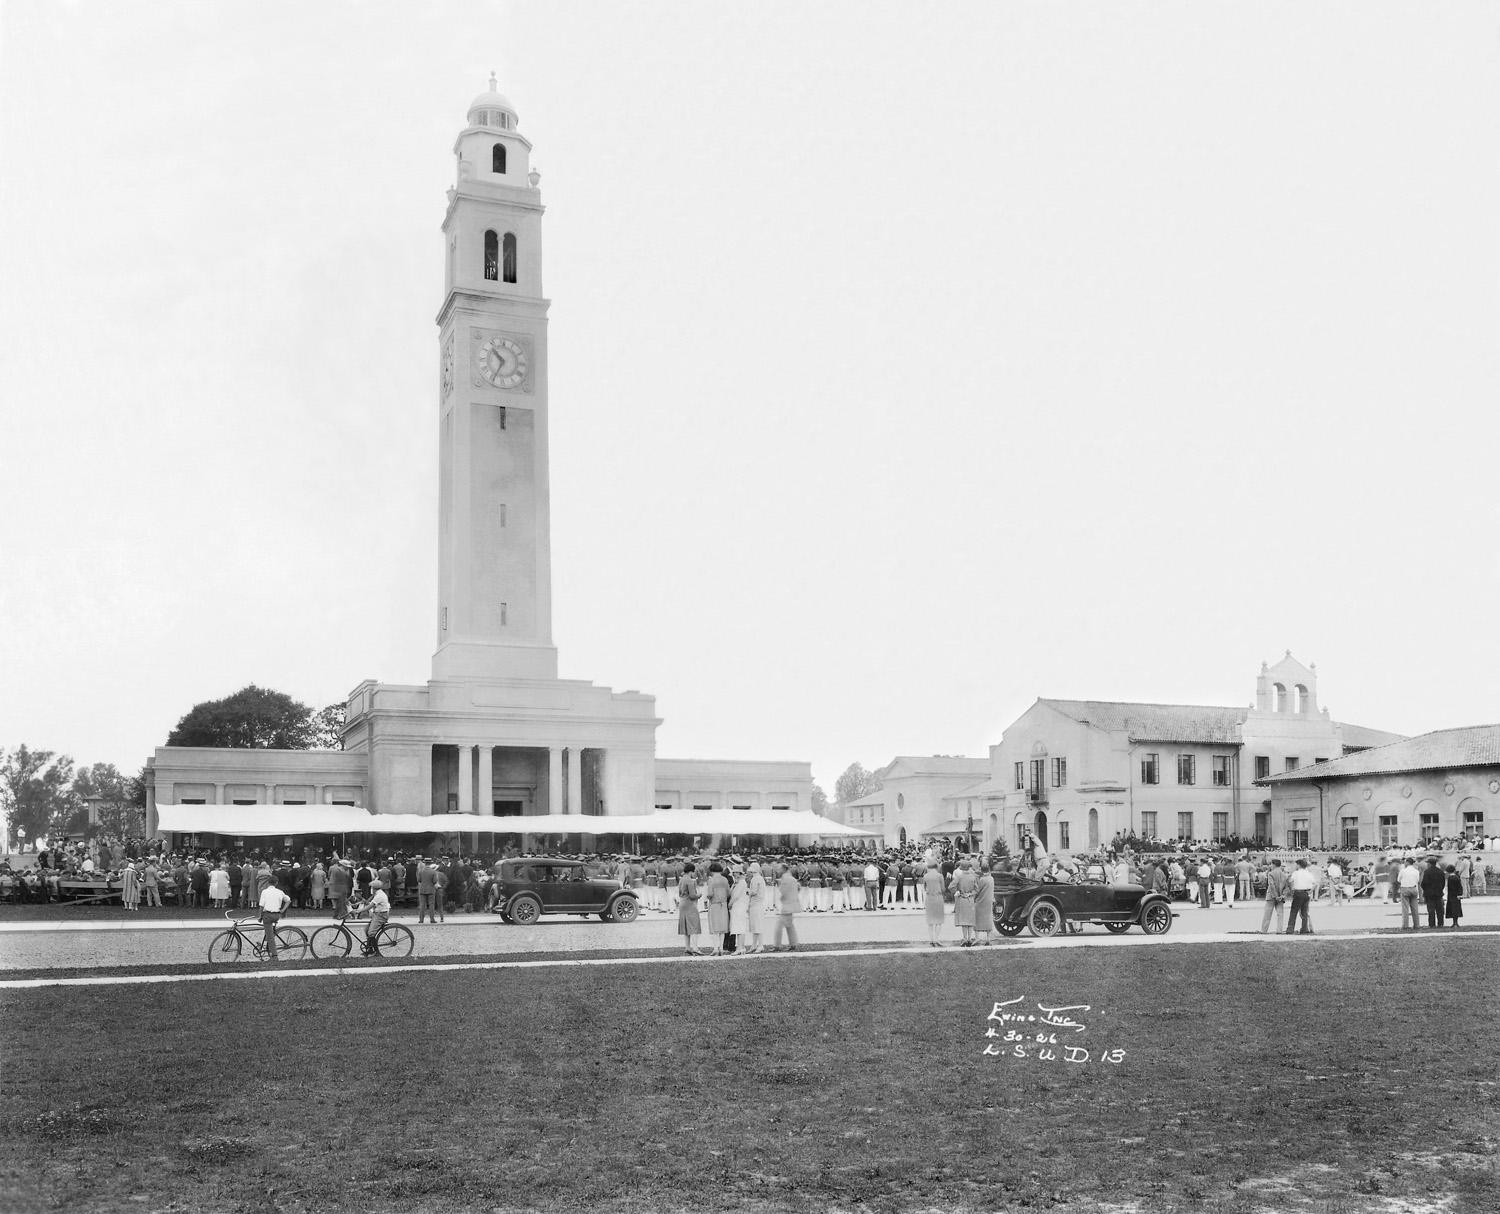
494,529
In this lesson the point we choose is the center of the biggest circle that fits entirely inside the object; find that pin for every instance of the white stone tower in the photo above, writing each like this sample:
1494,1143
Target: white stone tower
494,542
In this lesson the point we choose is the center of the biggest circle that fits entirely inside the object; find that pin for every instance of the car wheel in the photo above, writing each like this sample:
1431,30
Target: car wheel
1156,919
1045,919
624,910
525,910
1119,929
1009,927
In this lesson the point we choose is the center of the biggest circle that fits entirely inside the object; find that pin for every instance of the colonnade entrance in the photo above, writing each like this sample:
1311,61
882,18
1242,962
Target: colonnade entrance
510,781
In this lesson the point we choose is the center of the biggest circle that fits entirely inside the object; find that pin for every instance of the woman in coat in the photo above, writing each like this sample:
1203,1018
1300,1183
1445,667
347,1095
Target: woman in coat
1455,896
755,908
739,910
130,888
965,886
718,907
218,885
688,922
984,903
318,885
932,896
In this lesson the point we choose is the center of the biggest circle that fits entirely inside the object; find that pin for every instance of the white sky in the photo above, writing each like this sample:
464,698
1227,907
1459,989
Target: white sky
908,361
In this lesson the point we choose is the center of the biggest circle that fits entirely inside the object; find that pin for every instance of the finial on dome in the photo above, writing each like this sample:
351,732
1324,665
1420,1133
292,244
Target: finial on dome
494,83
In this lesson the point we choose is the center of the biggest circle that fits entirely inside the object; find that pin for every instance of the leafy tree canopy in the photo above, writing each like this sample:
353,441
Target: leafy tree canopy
855,783
118,799
253,718
819,800
327,726
34,789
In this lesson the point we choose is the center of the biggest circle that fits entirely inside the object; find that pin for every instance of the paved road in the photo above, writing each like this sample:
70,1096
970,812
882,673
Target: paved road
153,941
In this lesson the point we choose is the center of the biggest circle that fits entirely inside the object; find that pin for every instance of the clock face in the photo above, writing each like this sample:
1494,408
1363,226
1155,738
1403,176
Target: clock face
502,362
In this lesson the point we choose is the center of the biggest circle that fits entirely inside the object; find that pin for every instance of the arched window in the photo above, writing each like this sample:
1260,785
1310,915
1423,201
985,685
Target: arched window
1302,697
491,257
1278,692
510,257
497,158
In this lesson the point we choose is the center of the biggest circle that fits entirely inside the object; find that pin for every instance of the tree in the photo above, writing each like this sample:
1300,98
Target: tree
327,728
253,718
114,797
855,783
34,790
819,801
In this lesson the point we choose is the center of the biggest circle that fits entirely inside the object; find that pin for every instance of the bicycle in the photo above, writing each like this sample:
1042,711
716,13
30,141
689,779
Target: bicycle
291,942
337,940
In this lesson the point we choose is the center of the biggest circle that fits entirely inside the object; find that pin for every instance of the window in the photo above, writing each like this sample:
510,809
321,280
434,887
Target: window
1262,766
1062,836
1151,769
191,801
497,158
504,611
1297,835
739,807
252,801
294,802
1474,824
1303,698
491,257
783,808
1429,825
1293,762
1020,775
341,802
1221,771
1038,773
663,807
1321,759
510,257
1263,826
1349,833
1060,775
1278,692
1185,825
1148,823
703,807
1187,769
1390,836
1221,825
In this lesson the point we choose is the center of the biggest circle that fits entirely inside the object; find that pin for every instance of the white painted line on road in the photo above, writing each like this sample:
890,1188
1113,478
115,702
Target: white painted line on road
800,955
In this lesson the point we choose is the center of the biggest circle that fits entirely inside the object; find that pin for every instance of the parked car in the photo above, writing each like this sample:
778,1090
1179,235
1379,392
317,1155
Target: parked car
1047,907
533,886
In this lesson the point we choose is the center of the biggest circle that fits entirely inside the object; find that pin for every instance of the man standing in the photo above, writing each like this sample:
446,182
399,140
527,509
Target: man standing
872,885
273,903
1394,872
426,890
788,893
1433,883
1407,885
1205,883
1277,886
1302,883
339,885
1244,879
1335,882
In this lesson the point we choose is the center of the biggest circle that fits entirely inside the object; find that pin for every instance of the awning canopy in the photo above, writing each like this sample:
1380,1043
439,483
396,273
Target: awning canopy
258,820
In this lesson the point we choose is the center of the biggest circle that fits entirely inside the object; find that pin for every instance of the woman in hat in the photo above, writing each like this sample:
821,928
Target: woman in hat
739,909
965,887
1455,895
932,895
984,903
718,907
755,907
688,922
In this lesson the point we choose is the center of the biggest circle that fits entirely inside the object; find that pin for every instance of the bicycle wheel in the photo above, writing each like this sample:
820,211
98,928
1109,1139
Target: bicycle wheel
395,940
331,941
225,947
291,943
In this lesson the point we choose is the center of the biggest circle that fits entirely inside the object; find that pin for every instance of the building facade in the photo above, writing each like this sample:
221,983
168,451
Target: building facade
1077,773
911,805
1435,788
494,732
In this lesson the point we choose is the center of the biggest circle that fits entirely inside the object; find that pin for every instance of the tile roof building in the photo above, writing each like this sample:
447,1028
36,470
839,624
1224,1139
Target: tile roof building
1077,773
1443,785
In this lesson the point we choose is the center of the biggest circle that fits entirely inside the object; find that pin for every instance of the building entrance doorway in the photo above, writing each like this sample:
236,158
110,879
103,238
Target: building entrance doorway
1040,829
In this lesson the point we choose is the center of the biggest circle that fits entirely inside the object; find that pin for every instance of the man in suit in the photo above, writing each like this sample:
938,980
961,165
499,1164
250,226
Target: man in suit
340,883
1302,884
1432,884
1277,888
788,895
426,890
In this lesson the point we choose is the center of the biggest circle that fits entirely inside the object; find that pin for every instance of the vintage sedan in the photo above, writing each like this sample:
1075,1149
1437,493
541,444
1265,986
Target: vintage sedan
533,886
1049,907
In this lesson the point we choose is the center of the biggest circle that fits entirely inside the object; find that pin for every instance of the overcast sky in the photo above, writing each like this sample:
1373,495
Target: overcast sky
908,361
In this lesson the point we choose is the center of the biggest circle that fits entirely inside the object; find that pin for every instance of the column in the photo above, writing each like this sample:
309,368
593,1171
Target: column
484,788
218,794
465,779
270,795
575,779
556,803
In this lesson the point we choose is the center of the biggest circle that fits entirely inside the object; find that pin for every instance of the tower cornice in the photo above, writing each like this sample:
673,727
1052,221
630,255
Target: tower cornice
521,305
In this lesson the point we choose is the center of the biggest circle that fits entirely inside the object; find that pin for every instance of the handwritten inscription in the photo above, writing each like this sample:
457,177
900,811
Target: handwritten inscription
1048,1034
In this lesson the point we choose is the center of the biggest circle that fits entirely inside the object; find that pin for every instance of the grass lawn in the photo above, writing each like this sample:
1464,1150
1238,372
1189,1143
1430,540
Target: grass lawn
1338,1076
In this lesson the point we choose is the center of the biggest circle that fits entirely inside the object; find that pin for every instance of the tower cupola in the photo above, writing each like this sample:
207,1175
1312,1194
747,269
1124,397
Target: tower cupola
493,109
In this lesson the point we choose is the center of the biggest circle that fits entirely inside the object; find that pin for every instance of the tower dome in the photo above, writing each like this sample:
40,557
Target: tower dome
493,109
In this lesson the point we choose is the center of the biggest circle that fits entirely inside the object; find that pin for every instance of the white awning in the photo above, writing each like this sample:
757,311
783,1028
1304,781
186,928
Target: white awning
257,820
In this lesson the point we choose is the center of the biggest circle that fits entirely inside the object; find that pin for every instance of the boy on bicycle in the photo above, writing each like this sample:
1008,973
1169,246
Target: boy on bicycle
380,910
